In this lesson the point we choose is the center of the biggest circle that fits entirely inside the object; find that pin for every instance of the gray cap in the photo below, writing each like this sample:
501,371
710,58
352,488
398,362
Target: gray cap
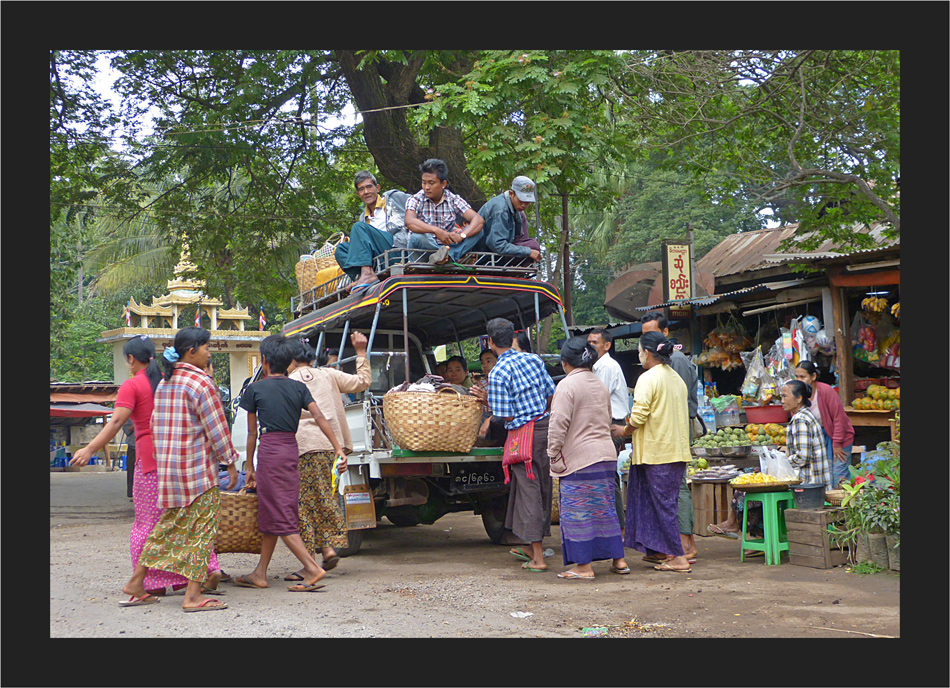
524,189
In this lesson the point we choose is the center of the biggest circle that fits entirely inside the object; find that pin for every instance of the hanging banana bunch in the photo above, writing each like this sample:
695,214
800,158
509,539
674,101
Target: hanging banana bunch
896,310
874,304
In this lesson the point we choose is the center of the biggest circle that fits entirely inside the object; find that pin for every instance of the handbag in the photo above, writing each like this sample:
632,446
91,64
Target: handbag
519,447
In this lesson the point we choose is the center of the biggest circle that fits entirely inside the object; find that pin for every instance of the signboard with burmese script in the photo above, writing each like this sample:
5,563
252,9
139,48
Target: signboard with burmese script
677,276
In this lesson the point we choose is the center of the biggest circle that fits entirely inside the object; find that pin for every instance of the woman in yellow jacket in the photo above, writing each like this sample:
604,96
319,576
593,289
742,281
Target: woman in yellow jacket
659,422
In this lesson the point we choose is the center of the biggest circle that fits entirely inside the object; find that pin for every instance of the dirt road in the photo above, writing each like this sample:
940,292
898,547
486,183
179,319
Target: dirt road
447,580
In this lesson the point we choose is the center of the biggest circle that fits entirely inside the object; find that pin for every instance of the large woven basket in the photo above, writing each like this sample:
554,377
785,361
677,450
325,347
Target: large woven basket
237,523
423,421
322,259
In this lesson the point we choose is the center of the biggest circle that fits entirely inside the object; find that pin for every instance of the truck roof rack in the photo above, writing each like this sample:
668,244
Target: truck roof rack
402,261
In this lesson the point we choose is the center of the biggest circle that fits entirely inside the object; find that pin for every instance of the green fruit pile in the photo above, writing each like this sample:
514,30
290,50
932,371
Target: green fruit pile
724,437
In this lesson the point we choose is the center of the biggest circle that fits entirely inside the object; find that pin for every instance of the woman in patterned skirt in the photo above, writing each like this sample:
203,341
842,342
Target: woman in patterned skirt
583,459
322,522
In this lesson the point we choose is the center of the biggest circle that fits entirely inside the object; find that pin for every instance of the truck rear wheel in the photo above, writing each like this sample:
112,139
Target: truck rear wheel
354,542
404,516
493,511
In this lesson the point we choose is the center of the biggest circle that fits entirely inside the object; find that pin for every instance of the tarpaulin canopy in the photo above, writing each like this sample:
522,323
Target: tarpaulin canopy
79,410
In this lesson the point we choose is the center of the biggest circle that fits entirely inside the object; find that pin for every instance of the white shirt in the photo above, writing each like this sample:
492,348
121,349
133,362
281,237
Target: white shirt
610,373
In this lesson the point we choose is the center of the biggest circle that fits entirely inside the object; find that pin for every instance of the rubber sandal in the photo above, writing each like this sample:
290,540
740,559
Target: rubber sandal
306,588
713,529
243,582
667,567
519,553
211,591
139,601
331,562
654,558
203,607
293,577
570,575
622,572
532,570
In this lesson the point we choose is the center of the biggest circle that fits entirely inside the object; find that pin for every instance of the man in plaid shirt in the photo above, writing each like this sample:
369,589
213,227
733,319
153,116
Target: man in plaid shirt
431,216
520,391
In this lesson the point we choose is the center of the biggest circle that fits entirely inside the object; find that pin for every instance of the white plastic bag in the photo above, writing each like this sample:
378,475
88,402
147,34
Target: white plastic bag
773,462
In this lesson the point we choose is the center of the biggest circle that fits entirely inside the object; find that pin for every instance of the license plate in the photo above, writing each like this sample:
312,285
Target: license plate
476,477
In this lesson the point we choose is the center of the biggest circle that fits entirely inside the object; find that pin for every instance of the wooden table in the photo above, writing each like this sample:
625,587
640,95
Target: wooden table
880,419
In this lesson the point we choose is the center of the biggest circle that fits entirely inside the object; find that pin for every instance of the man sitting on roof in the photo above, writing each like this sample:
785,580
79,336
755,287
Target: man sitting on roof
382,228
505,221
432,213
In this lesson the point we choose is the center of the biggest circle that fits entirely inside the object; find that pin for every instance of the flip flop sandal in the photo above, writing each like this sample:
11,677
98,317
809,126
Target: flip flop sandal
532,570
719,532
569,575
754,553
654,558
330,563
622,572
306,588
211,591
293,577
518,553
139,601
243,582
667,567
206,607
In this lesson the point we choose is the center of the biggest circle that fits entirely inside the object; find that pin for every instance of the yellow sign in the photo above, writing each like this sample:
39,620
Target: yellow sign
360,509
677,276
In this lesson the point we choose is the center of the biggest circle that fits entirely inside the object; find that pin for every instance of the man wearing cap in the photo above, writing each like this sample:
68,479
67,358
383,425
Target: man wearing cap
504,220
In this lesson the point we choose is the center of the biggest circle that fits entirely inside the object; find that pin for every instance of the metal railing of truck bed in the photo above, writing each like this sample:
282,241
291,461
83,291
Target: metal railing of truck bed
401,261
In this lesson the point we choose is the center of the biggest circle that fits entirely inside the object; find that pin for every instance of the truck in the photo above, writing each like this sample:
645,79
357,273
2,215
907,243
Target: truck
413,309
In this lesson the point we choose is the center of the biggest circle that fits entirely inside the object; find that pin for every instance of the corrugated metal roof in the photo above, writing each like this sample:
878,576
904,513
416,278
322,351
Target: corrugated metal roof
756,250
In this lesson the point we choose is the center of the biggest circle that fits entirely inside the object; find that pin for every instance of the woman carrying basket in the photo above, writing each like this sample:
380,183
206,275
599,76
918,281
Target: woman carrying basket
276,402
190,437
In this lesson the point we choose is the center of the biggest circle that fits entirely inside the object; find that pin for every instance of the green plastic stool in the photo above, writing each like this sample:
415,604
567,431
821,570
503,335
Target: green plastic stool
773,525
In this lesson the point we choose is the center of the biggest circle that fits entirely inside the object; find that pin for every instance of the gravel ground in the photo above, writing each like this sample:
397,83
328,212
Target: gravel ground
447,581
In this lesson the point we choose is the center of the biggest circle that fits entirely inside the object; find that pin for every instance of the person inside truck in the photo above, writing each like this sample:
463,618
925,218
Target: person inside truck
456,372
432,215
504,217
381,228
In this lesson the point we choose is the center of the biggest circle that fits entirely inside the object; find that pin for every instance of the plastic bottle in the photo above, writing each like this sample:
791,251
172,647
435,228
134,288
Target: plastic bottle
700,393
708,414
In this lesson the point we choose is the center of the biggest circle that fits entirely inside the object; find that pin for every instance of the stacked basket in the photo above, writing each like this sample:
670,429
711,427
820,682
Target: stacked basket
426,421
319,267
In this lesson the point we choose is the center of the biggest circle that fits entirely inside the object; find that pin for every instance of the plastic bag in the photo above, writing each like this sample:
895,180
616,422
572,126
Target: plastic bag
755,369
725,403
773,462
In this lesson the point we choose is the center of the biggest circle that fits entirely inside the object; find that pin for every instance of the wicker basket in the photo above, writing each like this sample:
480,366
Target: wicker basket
237,523
322,259
423,421
834,497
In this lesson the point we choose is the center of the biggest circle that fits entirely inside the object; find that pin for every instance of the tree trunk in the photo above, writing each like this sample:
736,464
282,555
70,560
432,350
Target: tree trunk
393,144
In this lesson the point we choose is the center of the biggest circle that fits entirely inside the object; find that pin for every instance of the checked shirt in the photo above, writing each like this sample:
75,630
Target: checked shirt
441,215
807,450
190,434
518,388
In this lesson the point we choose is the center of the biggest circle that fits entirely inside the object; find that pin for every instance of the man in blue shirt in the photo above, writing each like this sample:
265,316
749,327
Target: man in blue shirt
504,215
520,391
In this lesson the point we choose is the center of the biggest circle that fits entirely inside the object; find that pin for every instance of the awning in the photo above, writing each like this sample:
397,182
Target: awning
714,298
79,410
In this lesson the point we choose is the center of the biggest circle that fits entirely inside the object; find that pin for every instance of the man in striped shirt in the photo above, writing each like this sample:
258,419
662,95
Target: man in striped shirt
431,216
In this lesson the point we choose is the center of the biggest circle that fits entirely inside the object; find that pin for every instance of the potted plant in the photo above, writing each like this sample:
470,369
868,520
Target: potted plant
872,511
